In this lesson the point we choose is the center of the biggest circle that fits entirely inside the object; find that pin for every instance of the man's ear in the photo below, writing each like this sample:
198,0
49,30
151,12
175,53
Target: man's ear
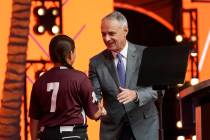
126,30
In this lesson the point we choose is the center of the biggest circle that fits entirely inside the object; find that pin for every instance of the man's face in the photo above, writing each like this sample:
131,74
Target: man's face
113,34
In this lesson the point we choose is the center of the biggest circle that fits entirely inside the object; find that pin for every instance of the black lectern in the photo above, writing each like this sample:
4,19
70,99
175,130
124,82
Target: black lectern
163,67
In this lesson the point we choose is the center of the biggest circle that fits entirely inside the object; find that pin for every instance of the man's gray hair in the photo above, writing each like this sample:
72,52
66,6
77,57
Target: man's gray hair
117,16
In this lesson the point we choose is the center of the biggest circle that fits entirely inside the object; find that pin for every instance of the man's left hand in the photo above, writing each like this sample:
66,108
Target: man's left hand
126,95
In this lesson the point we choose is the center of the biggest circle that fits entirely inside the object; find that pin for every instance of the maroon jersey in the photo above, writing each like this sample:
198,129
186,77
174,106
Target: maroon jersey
62,96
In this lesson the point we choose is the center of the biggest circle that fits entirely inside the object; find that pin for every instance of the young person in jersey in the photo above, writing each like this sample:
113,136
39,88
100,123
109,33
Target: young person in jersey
62,97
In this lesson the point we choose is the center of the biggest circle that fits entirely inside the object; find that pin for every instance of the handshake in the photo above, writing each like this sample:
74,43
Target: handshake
101,111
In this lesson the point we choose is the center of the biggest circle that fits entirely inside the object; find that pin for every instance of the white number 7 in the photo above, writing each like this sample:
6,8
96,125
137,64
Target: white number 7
54,86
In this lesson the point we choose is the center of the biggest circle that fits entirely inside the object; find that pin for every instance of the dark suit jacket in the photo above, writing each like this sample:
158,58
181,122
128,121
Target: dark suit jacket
142,116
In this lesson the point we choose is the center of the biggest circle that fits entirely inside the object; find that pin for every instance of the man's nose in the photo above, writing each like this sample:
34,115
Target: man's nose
106,37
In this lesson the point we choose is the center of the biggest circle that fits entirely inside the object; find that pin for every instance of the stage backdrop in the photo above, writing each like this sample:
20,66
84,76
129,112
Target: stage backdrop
203,35
81,21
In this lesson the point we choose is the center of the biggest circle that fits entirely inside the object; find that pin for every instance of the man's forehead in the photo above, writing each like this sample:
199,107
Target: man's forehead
110,25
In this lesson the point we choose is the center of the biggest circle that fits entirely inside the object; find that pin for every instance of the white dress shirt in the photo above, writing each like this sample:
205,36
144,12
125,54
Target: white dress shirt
123,53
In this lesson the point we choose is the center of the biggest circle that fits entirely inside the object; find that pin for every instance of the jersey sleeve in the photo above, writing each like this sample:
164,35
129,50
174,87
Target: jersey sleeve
88,98
34,109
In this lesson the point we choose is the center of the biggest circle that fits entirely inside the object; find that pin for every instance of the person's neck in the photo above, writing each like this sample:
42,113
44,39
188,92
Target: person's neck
58,64
62,65
123,46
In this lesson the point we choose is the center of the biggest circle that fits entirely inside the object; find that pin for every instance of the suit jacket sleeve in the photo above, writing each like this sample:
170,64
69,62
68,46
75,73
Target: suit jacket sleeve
146,95
94,80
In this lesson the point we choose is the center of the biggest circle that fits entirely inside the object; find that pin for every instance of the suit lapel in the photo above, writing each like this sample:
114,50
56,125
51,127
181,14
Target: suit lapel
109,62
130,67
131,61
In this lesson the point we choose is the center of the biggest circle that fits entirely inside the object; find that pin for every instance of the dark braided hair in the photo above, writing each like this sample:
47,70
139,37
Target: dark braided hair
60,46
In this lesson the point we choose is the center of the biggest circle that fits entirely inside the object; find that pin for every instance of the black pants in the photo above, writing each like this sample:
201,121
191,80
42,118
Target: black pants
53,133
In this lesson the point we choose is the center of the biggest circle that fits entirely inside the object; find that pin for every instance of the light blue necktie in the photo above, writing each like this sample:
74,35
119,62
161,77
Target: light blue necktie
121,70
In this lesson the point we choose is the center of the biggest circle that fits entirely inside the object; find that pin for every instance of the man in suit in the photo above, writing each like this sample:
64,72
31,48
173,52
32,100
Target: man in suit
131,112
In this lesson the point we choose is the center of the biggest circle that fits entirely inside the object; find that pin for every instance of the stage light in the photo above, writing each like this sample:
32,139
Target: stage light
54,11
194,81
39,29
180,138
55,29
47,22
40,11
48,15
180,85
179,38
177,95
179,124
194,137
193,38
194,53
